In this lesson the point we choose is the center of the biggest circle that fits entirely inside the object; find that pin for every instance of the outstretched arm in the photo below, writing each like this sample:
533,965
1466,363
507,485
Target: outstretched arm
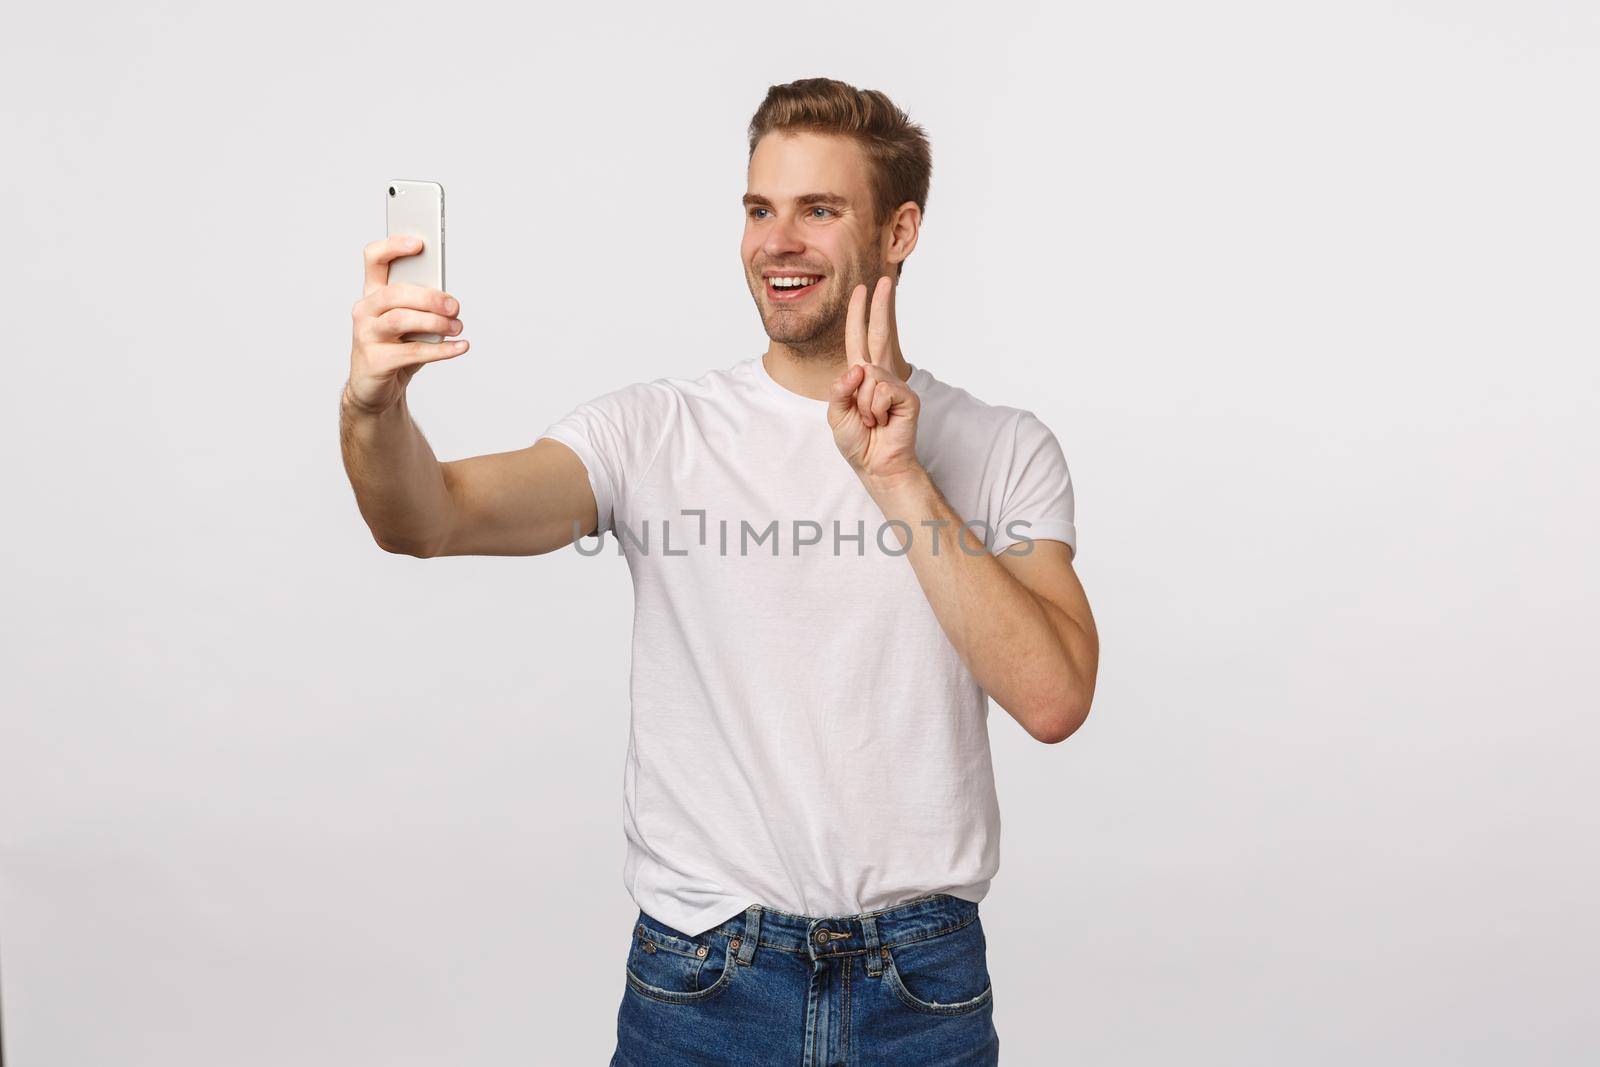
510,503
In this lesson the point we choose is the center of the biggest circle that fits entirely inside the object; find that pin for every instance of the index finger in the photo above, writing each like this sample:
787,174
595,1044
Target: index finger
855,328
378,254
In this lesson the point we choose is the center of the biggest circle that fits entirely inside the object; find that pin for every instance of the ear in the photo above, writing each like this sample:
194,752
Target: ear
901,232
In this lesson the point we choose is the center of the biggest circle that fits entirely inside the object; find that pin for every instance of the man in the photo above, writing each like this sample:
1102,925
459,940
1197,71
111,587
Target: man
837,558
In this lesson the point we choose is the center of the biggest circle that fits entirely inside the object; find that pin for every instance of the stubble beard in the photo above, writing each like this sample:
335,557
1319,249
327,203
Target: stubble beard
817,333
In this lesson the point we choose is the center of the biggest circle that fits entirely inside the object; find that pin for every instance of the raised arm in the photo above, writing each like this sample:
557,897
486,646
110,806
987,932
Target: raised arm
1020,623
517,503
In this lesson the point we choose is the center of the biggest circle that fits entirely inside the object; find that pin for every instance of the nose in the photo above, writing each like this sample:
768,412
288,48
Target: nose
782,239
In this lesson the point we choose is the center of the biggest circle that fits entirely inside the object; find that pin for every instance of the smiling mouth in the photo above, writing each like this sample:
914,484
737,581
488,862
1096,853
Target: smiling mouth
789,287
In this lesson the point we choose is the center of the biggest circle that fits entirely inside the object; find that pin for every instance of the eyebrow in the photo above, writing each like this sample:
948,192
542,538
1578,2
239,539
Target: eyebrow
804,200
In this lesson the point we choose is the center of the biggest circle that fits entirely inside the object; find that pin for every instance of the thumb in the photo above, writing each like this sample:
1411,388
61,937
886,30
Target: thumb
842,394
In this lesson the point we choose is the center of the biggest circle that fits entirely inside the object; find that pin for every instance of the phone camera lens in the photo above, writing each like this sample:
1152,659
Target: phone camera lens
391,190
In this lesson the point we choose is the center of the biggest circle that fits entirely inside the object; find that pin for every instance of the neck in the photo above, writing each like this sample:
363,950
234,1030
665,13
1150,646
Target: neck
811,371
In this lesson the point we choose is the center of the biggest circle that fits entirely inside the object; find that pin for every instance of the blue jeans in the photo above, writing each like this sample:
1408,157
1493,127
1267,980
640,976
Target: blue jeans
907,985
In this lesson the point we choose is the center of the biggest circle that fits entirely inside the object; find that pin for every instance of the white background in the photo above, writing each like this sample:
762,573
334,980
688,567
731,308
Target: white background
1307,292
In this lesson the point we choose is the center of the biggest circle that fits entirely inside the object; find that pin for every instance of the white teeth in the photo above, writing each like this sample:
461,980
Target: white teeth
793,283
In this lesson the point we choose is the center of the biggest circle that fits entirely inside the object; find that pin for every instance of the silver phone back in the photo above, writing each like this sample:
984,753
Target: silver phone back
416,208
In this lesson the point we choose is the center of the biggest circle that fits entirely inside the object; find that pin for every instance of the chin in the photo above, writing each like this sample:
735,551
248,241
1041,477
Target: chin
790,335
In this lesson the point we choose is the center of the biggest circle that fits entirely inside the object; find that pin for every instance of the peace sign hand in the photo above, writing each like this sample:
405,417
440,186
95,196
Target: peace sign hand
872,412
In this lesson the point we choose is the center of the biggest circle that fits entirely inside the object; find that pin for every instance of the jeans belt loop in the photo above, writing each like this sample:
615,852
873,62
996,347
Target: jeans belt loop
752,933
869,931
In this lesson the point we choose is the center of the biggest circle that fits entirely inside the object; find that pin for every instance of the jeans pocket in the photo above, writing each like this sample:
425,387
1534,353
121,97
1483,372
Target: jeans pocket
668,965
946,974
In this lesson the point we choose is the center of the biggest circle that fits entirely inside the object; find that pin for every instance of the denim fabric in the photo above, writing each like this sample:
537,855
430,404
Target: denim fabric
907,985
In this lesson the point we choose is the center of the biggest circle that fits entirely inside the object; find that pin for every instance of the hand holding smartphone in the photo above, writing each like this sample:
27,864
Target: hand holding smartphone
404,318
416,209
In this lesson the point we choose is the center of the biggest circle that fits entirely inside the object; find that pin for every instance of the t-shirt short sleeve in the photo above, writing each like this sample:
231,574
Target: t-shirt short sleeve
1037,501
616,436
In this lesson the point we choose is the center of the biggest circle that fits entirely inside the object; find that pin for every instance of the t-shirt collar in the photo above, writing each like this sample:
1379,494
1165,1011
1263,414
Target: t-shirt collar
792,399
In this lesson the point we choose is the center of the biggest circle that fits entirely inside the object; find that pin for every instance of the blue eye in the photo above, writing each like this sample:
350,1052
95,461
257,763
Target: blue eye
756,209
821,209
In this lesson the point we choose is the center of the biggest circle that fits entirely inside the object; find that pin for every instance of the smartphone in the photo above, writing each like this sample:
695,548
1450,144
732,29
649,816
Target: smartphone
416,208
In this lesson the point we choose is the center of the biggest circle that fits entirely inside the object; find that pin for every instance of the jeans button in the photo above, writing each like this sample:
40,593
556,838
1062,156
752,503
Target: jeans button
701,952
822,937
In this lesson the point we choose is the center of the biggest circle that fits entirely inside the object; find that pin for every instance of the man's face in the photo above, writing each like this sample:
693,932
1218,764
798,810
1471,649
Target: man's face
809,215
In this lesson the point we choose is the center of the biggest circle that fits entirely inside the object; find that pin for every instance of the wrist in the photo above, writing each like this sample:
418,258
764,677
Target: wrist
354,408
910,481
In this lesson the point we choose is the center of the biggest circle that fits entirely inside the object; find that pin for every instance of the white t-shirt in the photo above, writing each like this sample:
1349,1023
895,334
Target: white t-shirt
804,735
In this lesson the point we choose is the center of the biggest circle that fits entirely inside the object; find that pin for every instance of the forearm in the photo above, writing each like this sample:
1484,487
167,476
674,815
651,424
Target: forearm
398,482
1023,650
